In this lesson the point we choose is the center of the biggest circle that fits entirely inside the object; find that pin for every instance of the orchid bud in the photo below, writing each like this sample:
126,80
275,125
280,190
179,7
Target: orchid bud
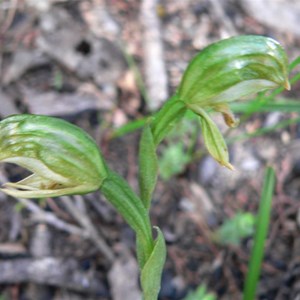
63,159
231,69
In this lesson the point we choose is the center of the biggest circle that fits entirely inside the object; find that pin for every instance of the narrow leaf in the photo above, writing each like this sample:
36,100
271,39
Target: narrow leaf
121,196
167,117
151,273
283,105
214,140
148,166
263,219
140,251
129,127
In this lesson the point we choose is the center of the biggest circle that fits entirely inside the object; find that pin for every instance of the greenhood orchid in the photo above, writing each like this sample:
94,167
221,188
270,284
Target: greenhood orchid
227,71
63,159
231,69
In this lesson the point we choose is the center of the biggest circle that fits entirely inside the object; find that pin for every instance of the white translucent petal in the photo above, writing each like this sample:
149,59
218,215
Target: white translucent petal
38,168
242,89
13,191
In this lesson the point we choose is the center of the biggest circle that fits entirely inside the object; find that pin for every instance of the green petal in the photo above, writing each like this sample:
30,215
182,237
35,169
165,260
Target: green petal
214,140
234,68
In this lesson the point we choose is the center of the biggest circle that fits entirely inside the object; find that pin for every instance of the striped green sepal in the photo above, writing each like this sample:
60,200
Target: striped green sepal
63,158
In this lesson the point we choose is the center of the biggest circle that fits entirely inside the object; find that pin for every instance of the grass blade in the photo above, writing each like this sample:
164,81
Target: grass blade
129,127
283,105
263,219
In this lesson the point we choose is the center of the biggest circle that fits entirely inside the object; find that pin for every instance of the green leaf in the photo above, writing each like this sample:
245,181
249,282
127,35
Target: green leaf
166,118
148,166
142,256
129,205
129,127
151,273
214,140
282,105
236,228
262,227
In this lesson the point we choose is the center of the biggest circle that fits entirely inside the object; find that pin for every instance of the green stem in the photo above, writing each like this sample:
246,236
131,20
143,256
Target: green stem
167,117
128,204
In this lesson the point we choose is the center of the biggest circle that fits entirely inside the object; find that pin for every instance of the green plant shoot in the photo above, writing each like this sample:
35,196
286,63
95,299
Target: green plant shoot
65,160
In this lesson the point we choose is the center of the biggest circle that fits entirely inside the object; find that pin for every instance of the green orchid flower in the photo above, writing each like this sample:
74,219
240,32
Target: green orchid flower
226,71
231,69
63,159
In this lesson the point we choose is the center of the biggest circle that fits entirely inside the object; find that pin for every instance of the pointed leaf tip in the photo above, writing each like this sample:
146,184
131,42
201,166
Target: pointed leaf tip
287,85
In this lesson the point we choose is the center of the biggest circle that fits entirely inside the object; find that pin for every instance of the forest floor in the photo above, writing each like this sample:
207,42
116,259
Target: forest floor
90,62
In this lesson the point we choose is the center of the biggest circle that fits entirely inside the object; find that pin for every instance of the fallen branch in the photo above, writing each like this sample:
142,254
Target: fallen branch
63,273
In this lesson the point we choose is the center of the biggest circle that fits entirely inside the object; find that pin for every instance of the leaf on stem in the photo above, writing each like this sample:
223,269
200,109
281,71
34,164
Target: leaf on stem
214,140
148,166
151,273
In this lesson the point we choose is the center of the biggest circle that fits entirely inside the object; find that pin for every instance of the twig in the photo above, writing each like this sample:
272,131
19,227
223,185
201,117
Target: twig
89,230
46,217
220,14
10,16
40,248
64,273
155,69
86,223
